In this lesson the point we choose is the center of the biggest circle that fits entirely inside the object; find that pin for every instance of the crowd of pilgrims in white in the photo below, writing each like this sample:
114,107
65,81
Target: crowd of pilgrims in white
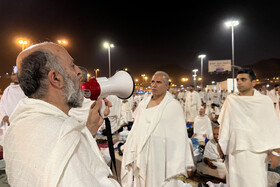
124,111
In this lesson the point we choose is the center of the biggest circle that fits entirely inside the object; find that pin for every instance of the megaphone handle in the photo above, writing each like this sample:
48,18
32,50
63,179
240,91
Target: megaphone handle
102,109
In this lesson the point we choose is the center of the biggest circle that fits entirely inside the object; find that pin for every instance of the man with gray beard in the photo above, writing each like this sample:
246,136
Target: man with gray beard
44,145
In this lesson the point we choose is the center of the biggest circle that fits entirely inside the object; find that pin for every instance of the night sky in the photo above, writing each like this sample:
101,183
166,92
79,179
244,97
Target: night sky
146,35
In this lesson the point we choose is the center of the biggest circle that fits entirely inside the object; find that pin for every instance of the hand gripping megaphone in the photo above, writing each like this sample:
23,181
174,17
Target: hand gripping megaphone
121,84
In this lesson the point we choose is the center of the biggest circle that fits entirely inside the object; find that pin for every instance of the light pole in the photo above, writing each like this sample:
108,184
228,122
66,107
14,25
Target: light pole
194,76
109,46
201,59
96,70
232,24
22,43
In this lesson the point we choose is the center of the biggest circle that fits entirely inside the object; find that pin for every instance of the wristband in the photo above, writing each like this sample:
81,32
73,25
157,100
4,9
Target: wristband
275,153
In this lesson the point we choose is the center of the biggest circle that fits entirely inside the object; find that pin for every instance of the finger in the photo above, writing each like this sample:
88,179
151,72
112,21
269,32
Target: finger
107,102
97,105
92,105
101,120
106,111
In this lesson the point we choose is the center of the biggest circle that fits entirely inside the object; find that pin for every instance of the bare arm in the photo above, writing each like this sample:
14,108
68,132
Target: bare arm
274,160
209,163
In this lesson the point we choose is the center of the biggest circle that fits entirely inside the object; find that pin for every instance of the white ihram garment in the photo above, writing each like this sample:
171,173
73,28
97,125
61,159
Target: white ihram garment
11,96
192,105
278,106
81,113
210,96
211,152
202,125
273,95
156,149
126,111
249,128
45,147
115,113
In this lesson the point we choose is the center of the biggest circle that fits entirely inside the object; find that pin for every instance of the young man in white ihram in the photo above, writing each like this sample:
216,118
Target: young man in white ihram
249,134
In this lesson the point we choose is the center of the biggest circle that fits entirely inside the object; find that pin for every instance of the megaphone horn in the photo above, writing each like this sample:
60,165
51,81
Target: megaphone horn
121,84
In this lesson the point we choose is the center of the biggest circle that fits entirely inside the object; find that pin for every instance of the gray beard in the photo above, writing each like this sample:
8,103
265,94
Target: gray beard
73,94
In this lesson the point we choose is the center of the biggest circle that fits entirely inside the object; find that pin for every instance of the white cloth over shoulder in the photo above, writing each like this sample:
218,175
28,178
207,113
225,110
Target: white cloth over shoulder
211,151
45,147
249,128
154,156
11,96
248,123
81,113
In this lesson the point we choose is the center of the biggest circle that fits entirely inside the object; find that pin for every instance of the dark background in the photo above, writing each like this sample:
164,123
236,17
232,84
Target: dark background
148,36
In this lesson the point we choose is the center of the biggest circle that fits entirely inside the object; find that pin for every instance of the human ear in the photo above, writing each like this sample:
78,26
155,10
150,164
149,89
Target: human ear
55,79
254,83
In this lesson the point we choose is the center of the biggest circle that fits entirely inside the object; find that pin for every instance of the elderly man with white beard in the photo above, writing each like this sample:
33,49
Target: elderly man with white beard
44,145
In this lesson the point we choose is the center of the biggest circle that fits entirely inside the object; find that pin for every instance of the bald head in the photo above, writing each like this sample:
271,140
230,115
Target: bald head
55,49
46,71
34,64
202,111
216,133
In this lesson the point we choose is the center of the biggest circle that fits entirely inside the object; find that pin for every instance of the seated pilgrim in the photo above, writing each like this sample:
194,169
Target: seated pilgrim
202,127
213,113
213,164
